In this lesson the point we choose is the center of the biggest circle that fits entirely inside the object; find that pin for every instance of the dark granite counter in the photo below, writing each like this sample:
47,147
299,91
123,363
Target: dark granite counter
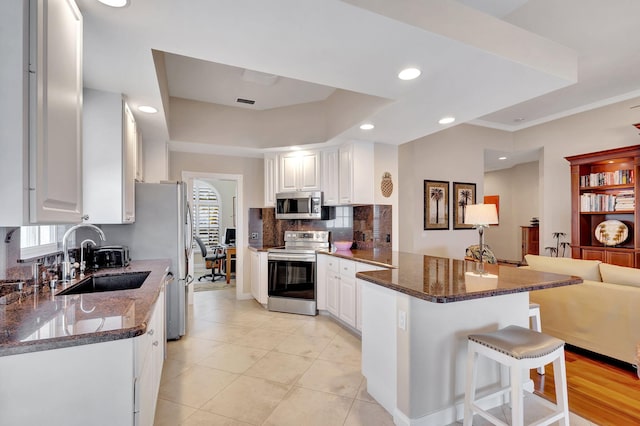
444,280
261,248
379,257
39,320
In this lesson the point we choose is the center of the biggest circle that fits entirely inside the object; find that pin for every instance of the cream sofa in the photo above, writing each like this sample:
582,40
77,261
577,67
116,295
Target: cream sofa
601,315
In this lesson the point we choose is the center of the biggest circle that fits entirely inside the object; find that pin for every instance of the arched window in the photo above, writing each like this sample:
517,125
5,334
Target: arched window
206,213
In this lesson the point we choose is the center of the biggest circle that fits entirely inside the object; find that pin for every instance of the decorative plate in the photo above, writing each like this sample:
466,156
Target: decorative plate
612,232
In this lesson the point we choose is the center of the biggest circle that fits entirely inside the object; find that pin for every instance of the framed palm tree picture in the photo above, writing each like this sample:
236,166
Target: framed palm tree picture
464,194
436,204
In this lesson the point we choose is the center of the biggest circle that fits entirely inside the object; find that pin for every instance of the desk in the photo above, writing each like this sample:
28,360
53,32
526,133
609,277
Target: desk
231,251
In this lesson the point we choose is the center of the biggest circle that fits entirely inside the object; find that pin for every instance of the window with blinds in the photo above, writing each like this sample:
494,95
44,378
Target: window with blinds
206,213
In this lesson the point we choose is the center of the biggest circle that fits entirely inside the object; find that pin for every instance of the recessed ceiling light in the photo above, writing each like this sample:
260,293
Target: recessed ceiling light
519,119
367,126
115,3
148,109
502,158
409,74
447,120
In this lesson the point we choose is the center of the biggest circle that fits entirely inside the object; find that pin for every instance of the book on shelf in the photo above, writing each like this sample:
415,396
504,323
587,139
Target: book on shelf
593,202
618,177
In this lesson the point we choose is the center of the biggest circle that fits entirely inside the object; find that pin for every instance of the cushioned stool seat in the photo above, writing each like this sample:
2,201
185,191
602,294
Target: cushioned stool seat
518,349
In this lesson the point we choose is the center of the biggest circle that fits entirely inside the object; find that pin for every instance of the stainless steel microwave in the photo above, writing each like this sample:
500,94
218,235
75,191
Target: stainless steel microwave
299,205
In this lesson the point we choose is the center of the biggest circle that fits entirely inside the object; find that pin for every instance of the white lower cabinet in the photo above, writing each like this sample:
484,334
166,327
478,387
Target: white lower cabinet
348,300
337,278
109,383
150,353
259,276
332,285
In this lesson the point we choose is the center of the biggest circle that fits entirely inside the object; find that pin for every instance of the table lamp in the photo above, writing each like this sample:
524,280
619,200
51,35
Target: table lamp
481,216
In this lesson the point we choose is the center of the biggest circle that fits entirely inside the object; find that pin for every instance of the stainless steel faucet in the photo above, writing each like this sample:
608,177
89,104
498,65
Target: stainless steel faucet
66,264
83,264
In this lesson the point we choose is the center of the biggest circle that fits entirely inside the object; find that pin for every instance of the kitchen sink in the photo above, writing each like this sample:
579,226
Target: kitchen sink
110,282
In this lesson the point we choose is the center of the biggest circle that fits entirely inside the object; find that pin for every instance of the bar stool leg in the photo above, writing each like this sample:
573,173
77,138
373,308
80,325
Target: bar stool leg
470,391
536,325
517,397
560,379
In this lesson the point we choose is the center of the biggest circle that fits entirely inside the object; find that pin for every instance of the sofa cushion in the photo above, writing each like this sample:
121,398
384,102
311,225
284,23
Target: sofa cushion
585,269
620,275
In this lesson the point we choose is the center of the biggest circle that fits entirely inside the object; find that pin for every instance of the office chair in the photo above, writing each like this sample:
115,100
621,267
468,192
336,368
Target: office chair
217,257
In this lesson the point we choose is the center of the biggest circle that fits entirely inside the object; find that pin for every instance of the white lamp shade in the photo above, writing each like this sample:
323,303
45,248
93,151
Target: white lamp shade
481,214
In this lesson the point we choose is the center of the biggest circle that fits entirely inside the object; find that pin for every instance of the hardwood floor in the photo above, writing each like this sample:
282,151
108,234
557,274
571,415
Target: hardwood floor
599,391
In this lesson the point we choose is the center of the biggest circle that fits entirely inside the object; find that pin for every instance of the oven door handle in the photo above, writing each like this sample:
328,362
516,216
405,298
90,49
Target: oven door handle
292,256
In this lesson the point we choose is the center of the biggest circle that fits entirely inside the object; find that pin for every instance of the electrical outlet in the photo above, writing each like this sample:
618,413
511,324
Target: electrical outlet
402,320
254,235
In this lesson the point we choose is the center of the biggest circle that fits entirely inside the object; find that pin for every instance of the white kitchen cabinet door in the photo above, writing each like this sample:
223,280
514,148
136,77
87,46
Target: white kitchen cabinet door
333,282
259,279
130,149
360,267
139,157
55,112
270,179
299,171
356,173
321,282
110,138
330,177
347,300
310,171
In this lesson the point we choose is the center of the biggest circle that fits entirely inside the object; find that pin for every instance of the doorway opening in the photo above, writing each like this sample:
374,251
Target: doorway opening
217,219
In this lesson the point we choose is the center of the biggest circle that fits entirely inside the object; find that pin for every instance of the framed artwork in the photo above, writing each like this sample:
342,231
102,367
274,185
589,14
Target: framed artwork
463,195
436,204
493,199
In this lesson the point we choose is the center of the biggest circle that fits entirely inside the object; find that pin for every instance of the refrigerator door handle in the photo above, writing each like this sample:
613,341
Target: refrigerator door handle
188,280
189,239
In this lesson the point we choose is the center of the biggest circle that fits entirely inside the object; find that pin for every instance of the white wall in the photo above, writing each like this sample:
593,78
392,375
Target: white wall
455,154
252,171
518,191
596,130
386,160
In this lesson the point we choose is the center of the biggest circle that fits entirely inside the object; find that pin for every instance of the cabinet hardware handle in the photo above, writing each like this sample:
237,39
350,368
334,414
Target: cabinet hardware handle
150,332
155,343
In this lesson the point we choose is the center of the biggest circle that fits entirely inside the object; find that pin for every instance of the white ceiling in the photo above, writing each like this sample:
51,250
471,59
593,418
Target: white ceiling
485,61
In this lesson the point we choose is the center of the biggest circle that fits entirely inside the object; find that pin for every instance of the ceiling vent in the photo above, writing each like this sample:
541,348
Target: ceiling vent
245,101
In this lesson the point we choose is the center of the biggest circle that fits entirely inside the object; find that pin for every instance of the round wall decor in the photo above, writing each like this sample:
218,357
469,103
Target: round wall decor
386,185
612,232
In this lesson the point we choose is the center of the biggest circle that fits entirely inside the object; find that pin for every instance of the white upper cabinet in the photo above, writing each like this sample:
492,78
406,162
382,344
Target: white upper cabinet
109,156
356,173
330,177
41,110
299,171
270,179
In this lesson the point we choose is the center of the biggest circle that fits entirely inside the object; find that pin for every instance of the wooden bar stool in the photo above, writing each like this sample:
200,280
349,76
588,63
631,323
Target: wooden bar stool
536,325
520,349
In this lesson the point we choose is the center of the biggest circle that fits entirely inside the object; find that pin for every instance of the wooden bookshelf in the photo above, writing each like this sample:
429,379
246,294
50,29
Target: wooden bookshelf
600,181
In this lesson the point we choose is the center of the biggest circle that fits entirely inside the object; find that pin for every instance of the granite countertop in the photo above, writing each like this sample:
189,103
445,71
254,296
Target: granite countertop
262,248
444,280
40,320
379,257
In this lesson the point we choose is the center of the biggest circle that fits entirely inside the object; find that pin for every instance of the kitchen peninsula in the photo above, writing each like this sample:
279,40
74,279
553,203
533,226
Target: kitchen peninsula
415,322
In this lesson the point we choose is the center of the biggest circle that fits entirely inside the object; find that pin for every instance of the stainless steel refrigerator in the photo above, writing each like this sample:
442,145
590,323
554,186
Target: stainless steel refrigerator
162,229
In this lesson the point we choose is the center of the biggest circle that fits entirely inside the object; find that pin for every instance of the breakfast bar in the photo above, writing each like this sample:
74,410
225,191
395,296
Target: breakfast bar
415,323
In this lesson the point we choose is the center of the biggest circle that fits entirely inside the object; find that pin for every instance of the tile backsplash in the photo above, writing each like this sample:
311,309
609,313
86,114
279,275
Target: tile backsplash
369,226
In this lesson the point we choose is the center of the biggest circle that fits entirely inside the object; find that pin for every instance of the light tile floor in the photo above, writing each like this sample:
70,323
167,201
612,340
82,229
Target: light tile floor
242,365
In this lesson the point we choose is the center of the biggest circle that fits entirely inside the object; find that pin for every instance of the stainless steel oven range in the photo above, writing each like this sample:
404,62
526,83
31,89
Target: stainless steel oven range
292,272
